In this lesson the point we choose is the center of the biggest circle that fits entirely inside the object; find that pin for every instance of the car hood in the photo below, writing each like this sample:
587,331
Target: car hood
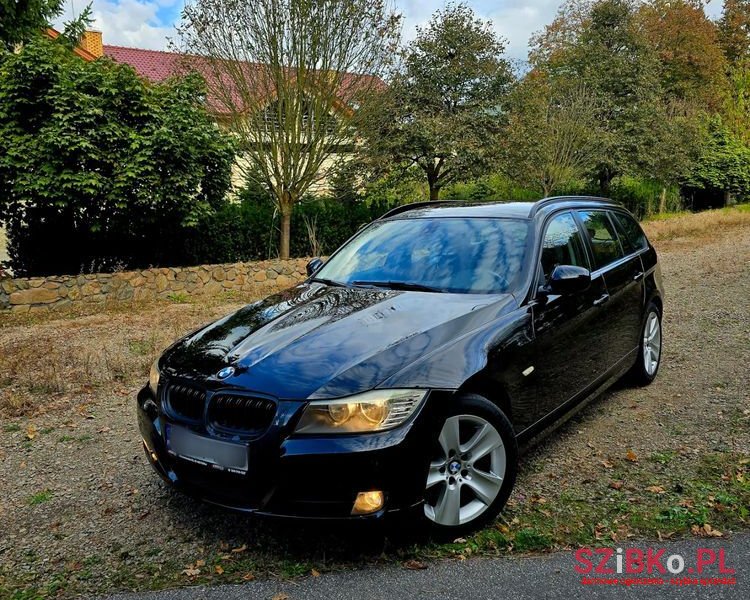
318,341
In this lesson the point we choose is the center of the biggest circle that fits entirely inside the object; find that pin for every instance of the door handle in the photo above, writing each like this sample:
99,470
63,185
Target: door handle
638,276
601,300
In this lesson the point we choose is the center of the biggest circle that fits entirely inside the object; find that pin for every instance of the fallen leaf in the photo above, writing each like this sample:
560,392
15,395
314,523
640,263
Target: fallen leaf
414,565
191,572
655,489
31,432
459,541
631,456
219,570
314,572
280,596
503,528
607,465
248,577
200,563
240,549
711,532
705,531
615,485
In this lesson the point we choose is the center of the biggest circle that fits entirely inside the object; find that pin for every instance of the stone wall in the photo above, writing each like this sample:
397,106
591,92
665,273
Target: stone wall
45,293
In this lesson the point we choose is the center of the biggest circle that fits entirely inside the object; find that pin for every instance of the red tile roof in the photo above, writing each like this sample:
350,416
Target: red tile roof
158,65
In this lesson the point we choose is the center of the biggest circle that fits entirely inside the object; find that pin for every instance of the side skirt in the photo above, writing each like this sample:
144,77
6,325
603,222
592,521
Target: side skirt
537,432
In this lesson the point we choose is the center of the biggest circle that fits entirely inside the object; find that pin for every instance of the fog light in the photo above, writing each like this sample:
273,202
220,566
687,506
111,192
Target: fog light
368,502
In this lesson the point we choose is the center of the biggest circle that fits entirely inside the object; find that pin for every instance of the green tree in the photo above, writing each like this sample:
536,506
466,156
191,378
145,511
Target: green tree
723,165
651,91
693,66
99,167
442,110
553,138
21,20
613,59
737,104
734,30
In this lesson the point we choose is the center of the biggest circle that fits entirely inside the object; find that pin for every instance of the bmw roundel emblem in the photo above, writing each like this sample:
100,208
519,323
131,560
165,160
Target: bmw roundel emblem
225,372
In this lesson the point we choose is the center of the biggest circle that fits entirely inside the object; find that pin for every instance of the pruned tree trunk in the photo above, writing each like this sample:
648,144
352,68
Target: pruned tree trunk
728,198
434,192
286,204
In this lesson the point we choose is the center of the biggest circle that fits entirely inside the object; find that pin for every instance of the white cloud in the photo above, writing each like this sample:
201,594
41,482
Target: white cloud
148,23
514,20
136,23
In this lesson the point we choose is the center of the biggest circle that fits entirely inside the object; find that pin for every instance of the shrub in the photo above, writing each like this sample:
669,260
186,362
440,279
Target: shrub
248,230
100,169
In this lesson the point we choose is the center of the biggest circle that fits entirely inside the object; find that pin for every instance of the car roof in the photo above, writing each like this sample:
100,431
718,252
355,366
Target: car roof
517,210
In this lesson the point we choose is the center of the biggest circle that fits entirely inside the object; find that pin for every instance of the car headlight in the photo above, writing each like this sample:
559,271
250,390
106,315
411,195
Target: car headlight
153,377
377,410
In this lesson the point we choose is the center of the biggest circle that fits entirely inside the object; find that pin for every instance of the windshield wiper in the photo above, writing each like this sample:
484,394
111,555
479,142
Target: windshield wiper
399,285
330,282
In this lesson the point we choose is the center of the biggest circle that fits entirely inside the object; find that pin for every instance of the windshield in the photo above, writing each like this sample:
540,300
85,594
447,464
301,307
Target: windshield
459,255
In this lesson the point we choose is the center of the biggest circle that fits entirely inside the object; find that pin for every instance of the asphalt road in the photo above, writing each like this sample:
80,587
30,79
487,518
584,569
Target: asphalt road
549,576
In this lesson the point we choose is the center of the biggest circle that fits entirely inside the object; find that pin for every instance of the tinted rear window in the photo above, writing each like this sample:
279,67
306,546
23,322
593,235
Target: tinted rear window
603,237
631,233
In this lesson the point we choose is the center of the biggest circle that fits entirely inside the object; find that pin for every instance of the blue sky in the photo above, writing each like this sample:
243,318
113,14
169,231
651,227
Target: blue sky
150,23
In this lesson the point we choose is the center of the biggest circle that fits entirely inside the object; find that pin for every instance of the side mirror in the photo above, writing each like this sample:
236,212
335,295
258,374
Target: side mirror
313,266
568,279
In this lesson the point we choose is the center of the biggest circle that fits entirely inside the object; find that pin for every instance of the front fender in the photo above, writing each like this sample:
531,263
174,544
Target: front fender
491,346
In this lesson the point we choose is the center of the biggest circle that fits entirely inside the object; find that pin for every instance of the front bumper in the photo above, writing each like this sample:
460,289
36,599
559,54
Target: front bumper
300,476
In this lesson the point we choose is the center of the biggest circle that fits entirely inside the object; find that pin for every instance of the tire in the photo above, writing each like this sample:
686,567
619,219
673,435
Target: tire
464,491
647,364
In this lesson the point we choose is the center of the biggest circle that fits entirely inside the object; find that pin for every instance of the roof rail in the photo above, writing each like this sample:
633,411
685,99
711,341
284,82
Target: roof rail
415,205
553,199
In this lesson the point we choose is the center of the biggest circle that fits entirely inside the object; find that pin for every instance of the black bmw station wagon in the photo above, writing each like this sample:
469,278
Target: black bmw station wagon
405,371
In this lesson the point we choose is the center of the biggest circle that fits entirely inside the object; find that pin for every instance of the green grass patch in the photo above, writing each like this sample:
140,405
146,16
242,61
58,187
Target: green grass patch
143,347
40,497
11,428
178,297
663,458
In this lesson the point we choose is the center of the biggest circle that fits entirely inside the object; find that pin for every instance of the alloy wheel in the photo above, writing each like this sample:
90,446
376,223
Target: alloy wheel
651,343
467,474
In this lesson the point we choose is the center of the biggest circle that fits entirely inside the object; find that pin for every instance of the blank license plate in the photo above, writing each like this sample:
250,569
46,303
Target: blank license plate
206,451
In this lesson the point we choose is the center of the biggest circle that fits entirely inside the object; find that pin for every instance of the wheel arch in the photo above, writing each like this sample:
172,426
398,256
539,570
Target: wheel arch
656,299
484,385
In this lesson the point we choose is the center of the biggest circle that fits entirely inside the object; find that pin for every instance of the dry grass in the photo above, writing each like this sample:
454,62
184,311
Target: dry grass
687,228
64,361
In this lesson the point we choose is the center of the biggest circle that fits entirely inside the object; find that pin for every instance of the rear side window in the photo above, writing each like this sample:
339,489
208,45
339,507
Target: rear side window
604,243
562,245
630,232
